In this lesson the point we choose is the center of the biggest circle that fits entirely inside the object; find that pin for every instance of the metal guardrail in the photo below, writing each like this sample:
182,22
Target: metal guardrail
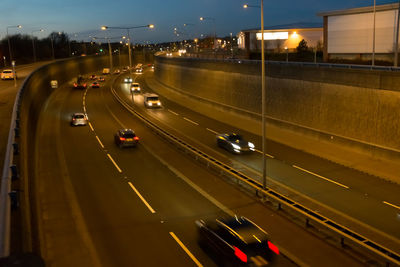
386,255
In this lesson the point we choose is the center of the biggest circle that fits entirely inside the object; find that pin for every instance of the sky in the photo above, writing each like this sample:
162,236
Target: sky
81,18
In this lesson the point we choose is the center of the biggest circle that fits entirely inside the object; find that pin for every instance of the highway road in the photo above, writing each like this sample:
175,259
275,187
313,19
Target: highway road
99,205
362,202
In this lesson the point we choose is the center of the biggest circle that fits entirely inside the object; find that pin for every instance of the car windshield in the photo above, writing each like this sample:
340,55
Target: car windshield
152,98
79,116
7,71
135,85
235,137
128,135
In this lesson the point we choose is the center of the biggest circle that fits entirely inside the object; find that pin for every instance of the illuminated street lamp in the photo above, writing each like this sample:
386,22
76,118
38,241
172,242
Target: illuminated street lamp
33,44
215,32
151,26
263,94
8,38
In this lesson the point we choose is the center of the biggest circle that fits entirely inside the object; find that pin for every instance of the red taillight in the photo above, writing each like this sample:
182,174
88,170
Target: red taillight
84,84
240,255
273,248
122,138
75,85
136,138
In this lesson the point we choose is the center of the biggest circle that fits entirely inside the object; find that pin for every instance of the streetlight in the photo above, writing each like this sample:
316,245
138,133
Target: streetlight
8,37
33,44
52,44
151,26
215,32
263,94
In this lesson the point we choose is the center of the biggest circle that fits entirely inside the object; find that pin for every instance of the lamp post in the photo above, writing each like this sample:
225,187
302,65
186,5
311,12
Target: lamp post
373,36
215,32
287,53
396,46
263,95
33,44
8,38
151,26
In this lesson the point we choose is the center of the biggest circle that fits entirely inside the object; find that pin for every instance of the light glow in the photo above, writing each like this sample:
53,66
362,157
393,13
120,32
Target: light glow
273,35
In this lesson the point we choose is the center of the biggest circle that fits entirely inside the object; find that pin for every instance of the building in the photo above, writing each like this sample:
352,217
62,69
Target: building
350,34
282,37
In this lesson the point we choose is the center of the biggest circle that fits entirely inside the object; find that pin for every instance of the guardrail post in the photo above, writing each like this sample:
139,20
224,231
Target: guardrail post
15,149
14,200
307,222
16,132
17,123
14,172
342,241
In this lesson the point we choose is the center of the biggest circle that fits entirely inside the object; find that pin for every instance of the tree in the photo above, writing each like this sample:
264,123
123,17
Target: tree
302,47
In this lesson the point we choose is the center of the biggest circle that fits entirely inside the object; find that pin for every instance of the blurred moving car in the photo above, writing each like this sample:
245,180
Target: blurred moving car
126,138
127,79
116,71
101,79
151,101
135,88
78,119
125,69
8,74
95,85
106,71
80,83
139,70
93,77
237,241
234,143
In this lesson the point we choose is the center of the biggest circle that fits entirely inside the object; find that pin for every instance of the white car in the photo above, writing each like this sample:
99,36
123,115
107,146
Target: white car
135,88
127,79
78,119
7,75
151,101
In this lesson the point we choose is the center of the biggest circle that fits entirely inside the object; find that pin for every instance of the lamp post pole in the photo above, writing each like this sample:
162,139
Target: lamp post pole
9,43
33,44
396,46
373,36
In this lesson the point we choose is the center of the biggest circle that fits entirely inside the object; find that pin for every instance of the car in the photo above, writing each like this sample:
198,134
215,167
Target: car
8,74
127,79
106,71
116,71
151,101
237,241
93,77
234,143
135,88
101,79
126,138
139,70
125,69
95,85
78,119
80,83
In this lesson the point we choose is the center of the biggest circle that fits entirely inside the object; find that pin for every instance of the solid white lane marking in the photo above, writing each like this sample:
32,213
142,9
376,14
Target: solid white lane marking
142,198
185,249
173,112
266,154
115,164
195,123
91,127
390,204
98,139
214,132
322,177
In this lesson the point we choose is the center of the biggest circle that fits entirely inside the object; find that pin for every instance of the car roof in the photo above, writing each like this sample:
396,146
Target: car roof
150,95
135,84
125,131
78,113
243,229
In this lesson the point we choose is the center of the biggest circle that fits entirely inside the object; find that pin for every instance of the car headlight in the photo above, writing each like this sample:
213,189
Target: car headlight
150,104
159,103
235,146
251,145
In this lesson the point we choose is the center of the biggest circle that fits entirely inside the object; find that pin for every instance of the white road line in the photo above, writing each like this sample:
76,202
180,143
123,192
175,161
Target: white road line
173,112
266,154
84,110
195,123
390,204
98,139
115,164
142,198
322,177
91,127
214,132
185,249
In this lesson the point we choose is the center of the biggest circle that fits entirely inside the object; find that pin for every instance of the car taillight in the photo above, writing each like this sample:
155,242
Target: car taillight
273,248
240,254
75,85
122,138
136,138
84,84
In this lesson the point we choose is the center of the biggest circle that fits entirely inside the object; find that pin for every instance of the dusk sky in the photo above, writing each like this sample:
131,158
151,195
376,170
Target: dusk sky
84,17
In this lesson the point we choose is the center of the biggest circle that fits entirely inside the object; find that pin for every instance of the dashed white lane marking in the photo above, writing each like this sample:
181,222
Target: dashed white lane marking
115,164
266,154
214,132
319,176
173,112
392,205
91,127
185,249
186,119
142,198
98,139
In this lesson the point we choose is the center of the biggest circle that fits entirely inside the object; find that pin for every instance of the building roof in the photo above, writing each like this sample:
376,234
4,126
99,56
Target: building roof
297,25
359,10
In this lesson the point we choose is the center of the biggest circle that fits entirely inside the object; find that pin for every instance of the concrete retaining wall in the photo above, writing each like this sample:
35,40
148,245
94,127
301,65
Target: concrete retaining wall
361,106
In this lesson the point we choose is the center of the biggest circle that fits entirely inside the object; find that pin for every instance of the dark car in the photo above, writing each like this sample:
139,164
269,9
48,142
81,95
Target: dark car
95,85
93,77
237,241
101,79
80,83
126,138
234,143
